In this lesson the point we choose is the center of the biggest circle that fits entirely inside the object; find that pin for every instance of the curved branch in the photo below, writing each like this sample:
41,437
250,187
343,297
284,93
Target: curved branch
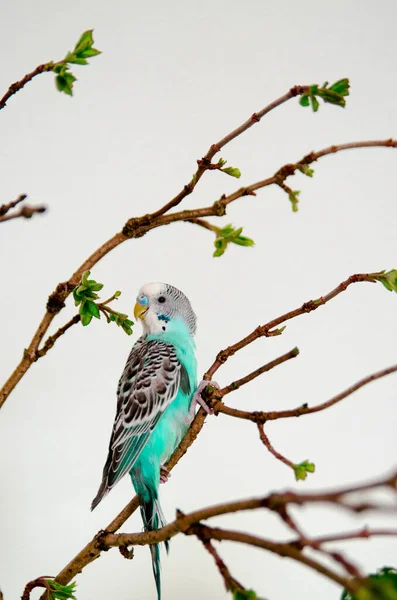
18,85
138,227
26,211
261,417
270,328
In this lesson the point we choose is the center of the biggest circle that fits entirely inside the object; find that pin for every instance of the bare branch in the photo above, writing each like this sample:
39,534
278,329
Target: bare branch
135,228
266,442
205,163
231,584
270,328
25,211
235,385
18,85
303,409
50,341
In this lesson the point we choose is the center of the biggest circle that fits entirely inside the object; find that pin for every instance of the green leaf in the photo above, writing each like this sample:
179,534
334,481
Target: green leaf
83,308
86,40
293,196
314,102
245,595
90,52
86,319
333,94
305,169
60,83
243,241
93,309
61,592
229,234
220,246
341,87
84,278
302,469
77,61
378,586
387,279
232,171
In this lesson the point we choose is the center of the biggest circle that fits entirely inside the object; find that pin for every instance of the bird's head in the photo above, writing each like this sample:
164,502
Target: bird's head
162,307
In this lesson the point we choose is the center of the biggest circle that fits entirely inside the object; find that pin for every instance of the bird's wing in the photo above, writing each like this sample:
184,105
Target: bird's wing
149,383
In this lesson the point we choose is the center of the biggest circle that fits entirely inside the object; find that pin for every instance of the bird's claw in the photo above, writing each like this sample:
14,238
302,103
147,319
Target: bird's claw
198,400
164,474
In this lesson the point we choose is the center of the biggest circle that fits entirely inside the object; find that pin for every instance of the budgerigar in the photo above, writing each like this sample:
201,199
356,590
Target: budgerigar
155,402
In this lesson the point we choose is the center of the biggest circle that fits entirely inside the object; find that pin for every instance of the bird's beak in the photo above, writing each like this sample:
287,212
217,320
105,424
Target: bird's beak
140,310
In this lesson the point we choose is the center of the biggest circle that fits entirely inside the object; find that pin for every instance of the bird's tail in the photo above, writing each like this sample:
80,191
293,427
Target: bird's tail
152,517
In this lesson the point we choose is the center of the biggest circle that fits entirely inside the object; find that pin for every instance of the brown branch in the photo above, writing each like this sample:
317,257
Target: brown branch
270,328
25,211
205,163
39,582
138,227
231,584
50,341
303,409
235,385
4,208
290,169
360,534
18,85
266,442
281,549
273,502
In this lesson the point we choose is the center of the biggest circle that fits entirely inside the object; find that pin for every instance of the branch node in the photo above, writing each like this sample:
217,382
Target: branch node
219,208
56,300
128,554
100,543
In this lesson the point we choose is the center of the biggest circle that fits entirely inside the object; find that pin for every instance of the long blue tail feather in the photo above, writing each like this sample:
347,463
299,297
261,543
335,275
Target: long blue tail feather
152,517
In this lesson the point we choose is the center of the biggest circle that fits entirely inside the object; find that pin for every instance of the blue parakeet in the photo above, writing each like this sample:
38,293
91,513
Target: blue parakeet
155,402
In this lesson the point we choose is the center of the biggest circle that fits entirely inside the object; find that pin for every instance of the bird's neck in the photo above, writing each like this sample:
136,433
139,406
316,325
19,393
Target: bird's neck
177,334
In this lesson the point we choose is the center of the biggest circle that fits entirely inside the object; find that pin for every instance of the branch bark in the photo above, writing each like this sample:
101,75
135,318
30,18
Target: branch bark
18,85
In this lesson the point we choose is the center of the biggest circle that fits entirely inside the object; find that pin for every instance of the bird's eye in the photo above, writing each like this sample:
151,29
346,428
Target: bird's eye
161,299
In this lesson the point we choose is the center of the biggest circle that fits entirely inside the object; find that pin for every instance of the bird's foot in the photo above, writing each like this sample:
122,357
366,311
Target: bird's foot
164,474
198,400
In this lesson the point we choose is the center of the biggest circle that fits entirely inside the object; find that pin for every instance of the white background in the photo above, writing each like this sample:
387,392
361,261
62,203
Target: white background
173,78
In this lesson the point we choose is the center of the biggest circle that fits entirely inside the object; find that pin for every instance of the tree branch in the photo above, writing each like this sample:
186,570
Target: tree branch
18,85
231,584
270,328
25,211
138,227
303,409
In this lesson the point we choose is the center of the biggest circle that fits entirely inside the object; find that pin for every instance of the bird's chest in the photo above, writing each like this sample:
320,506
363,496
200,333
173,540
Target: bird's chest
170,429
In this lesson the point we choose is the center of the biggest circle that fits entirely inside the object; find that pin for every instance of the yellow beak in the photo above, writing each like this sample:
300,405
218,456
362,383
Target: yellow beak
140,310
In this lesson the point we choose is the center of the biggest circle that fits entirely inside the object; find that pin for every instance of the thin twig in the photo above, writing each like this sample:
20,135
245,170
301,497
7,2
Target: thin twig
25,211
283,550
270,328
303,409
205,163
231,584
235,385
18,85
135,228
273,502
50,341
4,208
266,442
